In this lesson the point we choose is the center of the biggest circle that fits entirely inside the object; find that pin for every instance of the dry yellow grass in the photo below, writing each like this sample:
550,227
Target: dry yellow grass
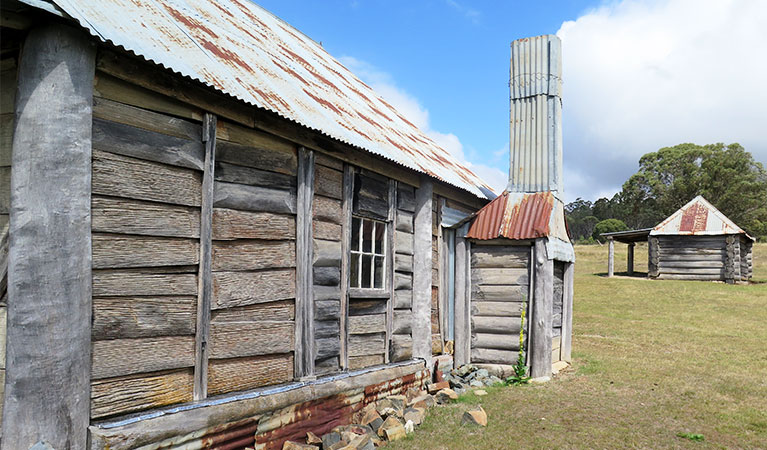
651,359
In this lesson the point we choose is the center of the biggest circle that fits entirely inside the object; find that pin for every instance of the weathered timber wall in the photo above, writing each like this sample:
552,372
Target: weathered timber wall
500,278
145,230
367,329
252,330
263,419
746,258
327,233
401,347
8,70
692,257
436,331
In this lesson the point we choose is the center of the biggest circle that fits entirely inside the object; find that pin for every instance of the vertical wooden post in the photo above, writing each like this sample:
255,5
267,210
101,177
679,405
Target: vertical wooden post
304,351
422,271
346,238
462,299
390,252
630,260
204,280
653,257
47,385
610,257
567,311
543,310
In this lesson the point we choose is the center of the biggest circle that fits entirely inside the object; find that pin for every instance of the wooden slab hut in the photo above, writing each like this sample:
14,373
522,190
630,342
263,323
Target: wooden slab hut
697,242
216,236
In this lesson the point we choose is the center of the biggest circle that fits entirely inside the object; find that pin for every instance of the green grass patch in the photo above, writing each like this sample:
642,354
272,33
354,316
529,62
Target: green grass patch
652,358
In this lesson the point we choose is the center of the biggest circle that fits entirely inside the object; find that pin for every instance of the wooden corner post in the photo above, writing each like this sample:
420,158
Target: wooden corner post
462,330
630,260
567,312
610,257
543,310
422,271
304,352
47,386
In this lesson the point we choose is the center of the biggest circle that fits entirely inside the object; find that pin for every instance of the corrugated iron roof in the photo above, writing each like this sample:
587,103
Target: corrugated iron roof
519,216
242,50
697,217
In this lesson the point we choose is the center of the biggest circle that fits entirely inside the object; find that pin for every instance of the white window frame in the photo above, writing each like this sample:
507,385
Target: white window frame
356,248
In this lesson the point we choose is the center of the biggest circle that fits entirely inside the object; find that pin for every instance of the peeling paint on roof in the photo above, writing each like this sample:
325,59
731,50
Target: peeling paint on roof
242,50
698,217
520,216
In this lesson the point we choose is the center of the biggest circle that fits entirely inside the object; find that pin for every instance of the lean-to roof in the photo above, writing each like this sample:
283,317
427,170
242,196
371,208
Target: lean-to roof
242,50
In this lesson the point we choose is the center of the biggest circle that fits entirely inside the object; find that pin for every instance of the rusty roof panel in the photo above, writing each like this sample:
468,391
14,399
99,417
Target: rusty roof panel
515,216
697,217
240,49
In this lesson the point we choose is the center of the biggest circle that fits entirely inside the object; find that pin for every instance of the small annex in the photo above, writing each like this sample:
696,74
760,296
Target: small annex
214,235
697,242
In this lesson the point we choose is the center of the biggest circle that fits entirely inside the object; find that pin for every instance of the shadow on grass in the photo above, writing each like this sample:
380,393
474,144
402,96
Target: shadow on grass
623,274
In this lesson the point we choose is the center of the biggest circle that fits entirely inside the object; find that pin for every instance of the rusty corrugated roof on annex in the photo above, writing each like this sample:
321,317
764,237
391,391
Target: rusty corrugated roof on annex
242,50
698,217
514,216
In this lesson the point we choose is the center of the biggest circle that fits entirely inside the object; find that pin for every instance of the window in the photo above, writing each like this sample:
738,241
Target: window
368,254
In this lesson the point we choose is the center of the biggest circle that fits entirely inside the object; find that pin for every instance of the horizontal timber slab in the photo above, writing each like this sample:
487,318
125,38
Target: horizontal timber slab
282,310
404,222
498,325
231,375
403,299
507,277
231,224
499,293
326,230
403,263
123,176
127,283
119,357
119,251
327,347
327,209
132,317
127,216
232,173
366,344
326,253
257,141
487,355
233,289
328,182
253,255
148,120
367,306
236,339
495,341
327,328
499,257
403,242
121,395
401,347
374,323
253,198
497,309
327,309
403,321
359,362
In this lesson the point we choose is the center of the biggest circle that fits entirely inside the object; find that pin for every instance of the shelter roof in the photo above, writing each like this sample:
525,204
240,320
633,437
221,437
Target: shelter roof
697,217
240,49
629,236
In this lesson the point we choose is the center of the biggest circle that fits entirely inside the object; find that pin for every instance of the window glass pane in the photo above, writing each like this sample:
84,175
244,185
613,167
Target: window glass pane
367,267
379,271
367,236
354,269
379,238
355,234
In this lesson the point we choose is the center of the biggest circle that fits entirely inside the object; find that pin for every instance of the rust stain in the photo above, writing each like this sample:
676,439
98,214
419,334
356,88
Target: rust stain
528,218
694,219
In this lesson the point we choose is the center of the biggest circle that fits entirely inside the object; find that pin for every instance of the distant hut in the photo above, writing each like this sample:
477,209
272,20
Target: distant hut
697,242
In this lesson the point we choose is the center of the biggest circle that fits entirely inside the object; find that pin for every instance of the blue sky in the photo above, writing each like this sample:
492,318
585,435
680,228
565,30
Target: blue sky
638,75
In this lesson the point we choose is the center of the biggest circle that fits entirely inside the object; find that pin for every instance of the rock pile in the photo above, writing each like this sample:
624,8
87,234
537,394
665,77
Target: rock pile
469,376
388,419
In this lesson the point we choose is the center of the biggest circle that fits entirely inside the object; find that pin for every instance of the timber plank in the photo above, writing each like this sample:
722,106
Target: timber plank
281,310
254,198
328,161
326,253
328,182
327,328
233,289
327,209
486,277
258,140
231,375
122,176
127,216
229,224
120,357
232,173
497,325
148,145
499,293
403,263
495,341
112,251
406,198
497,309
373,323
280,160
148,283
237,339
327,309
5,189
403,320
326,276
403,281
7,91
403,242
253,255
360,362
403,298
145,119
404,222
133,317
327,347
366,307
401,347
326,230
487,355
499,257
122,395
6,138
366,344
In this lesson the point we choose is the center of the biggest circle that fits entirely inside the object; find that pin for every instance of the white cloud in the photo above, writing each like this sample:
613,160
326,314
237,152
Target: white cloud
470,13
641,75
415,112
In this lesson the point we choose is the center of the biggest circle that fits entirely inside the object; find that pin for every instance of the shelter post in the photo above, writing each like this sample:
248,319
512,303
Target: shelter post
47,393
630,261
610,256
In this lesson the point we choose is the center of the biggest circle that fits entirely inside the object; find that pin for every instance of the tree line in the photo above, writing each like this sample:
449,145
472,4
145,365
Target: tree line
725,175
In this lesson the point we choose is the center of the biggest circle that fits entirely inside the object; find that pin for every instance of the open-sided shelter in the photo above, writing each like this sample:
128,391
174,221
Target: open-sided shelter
697,242
217,235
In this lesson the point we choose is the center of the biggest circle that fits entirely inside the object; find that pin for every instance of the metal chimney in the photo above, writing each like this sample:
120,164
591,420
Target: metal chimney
536,116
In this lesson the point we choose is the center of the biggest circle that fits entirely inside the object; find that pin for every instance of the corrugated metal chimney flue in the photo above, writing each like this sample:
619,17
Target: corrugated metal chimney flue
536,115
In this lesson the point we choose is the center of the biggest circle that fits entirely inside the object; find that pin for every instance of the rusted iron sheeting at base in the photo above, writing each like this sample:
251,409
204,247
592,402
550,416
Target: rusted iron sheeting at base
242,50
514,216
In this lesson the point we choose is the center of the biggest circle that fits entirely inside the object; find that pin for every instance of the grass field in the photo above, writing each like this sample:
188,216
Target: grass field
651,359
